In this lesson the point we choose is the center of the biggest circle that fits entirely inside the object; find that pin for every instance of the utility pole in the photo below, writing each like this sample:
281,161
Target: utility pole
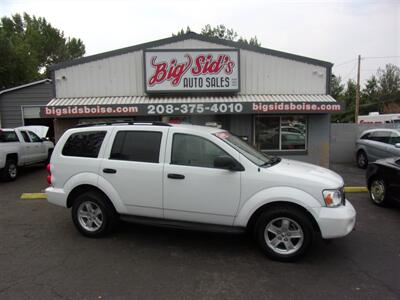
357,92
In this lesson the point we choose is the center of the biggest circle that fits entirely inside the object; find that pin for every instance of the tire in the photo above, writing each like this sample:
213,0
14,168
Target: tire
378,192
275,239
362,159
87,221
10,170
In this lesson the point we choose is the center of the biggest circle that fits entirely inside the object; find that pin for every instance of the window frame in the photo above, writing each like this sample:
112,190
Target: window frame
280,150
84,132
135,161
203,138
27,135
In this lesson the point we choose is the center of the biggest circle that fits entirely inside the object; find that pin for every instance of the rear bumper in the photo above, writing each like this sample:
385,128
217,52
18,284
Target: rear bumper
336,222
56,196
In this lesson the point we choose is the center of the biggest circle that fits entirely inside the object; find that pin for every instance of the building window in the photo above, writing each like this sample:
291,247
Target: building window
280,133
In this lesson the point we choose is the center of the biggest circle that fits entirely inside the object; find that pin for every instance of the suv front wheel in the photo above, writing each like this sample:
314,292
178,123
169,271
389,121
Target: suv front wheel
93,215
284,233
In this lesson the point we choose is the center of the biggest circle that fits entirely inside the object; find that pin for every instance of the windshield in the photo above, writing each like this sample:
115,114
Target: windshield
255,156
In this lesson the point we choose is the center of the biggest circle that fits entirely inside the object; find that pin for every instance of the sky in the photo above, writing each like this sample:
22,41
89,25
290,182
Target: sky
330,30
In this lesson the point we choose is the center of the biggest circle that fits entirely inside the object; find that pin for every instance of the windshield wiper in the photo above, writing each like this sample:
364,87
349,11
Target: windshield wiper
273,161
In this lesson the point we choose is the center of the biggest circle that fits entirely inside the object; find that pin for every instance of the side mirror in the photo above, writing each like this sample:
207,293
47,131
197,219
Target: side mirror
228,163
397,145
45,139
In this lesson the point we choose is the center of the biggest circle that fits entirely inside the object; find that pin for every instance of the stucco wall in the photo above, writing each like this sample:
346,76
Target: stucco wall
344,137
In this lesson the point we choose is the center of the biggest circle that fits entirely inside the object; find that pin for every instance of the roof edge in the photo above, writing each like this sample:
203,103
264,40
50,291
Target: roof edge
25,85
186,36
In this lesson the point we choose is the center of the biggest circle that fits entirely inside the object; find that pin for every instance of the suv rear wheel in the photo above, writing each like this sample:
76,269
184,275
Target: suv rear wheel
93,215
284,233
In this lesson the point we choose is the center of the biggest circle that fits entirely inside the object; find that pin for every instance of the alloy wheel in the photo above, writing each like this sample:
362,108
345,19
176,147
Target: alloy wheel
90,216
284,235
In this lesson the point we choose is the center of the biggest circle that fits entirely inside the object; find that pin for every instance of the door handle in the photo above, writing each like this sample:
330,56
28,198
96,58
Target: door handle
109,171
176,176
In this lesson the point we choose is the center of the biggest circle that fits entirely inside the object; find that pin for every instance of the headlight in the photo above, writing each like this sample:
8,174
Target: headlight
333,198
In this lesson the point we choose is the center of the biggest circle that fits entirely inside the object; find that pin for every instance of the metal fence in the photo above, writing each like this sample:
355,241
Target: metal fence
344,137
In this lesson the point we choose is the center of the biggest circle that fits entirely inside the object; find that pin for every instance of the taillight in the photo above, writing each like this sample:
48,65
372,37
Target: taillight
48,169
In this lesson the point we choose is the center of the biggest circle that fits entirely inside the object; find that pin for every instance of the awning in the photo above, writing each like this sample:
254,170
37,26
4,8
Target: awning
185,105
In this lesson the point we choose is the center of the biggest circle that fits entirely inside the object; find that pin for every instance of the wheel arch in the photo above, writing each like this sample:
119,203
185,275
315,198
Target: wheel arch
277,196
84,188
12,156
253,219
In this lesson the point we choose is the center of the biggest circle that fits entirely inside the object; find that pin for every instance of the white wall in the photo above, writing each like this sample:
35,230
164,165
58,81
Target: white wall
122,75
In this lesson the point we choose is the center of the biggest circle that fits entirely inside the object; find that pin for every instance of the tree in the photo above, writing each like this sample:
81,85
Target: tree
222,32
337,87
345,94
389,80
29,45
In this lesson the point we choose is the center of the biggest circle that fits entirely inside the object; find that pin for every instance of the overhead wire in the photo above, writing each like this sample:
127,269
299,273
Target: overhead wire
351,71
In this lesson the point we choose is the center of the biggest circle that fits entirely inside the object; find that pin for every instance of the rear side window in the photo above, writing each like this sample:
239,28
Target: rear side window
366,136
381,136
84,144
8,137
142,146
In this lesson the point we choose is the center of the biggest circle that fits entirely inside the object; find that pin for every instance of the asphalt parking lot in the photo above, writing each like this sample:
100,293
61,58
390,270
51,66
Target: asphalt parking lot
42,256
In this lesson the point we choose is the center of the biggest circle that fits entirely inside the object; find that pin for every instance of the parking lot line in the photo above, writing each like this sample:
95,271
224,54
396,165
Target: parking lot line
355,189
33,196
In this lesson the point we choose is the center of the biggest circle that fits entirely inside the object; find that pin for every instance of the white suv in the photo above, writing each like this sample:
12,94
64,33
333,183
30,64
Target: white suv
198,178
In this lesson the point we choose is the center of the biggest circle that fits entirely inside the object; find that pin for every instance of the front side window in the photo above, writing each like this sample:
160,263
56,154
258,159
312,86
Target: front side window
8,137
191,150
394,139
34,137
281,133
84,144
141,146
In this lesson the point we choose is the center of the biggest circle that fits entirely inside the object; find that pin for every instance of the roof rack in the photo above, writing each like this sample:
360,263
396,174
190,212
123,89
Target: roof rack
155,123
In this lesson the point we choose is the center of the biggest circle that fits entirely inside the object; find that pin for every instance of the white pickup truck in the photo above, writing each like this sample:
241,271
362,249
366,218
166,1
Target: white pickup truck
22,146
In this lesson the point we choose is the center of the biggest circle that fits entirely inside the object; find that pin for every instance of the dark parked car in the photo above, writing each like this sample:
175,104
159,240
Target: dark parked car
383,180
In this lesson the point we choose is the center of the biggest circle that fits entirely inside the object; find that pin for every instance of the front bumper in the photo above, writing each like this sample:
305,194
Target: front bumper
56,196
336,221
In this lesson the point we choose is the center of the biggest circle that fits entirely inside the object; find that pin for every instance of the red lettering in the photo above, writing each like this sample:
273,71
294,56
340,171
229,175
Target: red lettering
173,72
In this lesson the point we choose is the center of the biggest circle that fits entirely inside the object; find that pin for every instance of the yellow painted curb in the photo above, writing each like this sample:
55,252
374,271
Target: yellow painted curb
32,196
355,189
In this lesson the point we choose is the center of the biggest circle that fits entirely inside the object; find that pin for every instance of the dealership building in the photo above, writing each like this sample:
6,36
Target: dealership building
278,102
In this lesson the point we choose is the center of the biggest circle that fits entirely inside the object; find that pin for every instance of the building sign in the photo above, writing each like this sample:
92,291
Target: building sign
176,109
172,71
